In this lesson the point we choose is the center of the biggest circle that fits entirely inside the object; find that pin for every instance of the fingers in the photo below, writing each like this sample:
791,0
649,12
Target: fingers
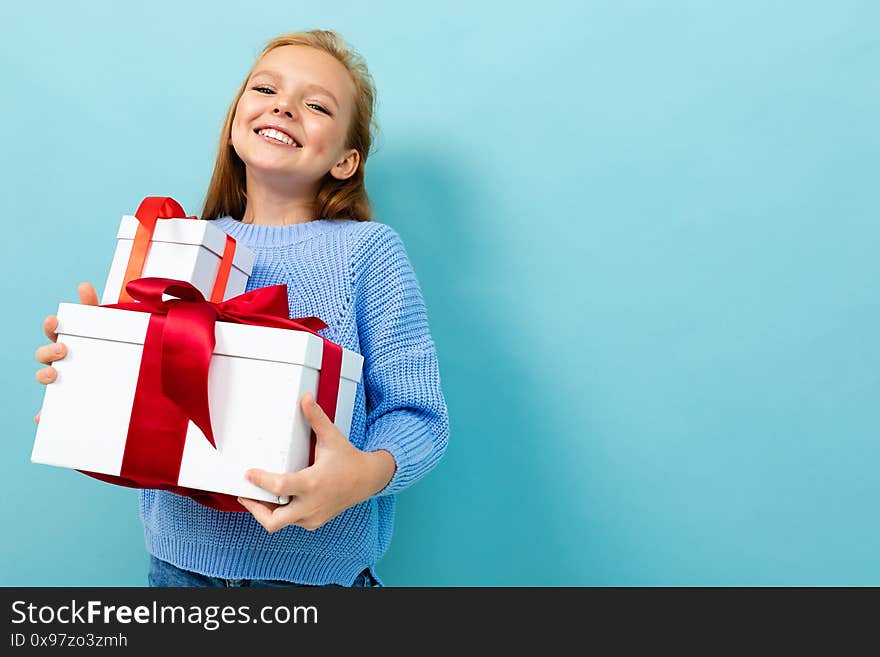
37,417
49,326
49,353
263,512
315,414
87,294
46,376
272,516
277,516
289,483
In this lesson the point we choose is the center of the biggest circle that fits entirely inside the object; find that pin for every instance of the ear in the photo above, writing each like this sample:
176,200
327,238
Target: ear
347,166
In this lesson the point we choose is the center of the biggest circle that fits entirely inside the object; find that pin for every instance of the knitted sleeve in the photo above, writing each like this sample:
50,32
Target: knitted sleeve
405,407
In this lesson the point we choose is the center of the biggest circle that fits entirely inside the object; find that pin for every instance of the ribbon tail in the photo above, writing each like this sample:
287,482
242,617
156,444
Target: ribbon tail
157,427
187,345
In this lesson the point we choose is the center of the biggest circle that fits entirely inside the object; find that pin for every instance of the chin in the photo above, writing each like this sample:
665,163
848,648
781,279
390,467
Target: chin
273,169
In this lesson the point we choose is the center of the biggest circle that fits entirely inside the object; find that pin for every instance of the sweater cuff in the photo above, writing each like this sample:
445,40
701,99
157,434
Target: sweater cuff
412,445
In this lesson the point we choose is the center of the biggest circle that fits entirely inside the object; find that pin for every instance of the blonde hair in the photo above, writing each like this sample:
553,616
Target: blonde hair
336,199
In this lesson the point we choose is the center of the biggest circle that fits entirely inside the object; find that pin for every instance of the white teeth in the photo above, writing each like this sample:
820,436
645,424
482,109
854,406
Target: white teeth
277,136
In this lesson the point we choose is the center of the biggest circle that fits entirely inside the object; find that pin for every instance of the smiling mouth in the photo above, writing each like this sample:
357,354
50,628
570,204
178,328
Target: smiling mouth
276,137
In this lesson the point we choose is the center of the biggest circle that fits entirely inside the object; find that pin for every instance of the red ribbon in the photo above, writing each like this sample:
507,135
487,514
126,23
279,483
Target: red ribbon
151,209
172,386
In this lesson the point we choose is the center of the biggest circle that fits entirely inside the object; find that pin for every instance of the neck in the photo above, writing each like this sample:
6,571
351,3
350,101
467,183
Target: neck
267,207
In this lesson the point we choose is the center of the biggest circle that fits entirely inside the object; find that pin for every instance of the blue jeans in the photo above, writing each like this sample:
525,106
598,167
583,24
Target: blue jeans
163,573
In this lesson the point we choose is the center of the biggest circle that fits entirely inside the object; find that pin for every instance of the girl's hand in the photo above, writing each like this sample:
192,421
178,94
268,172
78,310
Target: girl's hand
49,353
341,476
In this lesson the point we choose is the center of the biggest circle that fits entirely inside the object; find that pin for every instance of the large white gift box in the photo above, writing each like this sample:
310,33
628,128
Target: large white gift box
257,378
188,250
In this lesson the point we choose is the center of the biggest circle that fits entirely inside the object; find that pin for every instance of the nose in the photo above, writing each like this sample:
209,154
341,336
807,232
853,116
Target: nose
284,103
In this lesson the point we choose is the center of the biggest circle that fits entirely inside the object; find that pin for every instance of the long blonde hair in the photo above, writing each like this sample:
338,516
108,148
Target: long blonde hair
336,199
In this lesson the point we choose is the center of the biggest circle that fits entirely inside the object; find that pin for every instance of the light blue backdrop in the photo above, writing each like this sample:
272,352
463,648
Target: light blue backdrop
646,233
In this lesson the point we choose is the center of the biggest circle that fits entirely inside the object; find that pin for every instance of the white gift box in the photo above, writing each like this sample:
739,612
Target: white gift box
257,378
183,249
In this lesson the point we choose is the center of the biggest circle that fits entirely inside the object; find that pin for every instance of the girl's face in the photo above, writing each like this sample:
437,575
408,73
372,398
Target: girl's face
307,94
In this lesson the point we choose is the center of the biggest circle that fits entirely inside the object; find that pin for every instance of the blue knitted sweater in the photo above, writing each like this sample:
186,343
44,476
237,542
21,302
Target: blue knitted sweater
357,278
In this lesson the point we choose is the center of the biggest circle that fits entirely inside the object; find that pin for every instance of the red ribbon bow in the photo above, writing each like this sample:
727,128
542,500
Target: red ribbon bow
172,384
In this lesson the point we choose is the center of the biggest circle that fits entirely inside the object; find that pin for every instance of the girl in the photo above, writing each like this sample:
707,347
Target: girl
289,184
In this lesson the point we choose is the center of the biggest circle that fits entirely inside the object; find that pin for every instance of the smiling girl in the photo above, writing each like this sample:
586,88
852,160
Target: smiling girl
288,183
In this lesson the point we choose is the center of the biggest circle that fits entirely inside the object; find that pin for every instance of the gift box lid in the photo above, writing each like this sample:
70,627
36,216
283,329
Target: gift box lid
240,340
197,232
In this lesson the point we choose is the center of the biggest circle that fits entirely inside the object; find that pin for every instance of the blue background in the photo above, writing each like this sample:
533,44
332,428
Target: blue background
647,237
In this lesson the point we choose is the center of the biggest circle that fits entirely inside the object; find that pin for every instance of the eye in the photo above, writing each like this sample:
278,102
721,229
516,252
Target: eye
260,88
319,107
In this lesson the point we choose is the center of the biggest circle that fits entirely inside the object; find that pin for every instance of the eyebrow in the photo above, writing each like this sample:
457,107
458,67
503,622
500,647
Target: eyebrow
308,86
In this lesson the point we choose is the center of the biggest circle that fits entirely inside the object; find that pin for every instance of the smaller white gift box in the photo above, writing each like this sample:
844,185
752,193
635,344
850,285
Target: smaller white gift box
188,250
257,378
